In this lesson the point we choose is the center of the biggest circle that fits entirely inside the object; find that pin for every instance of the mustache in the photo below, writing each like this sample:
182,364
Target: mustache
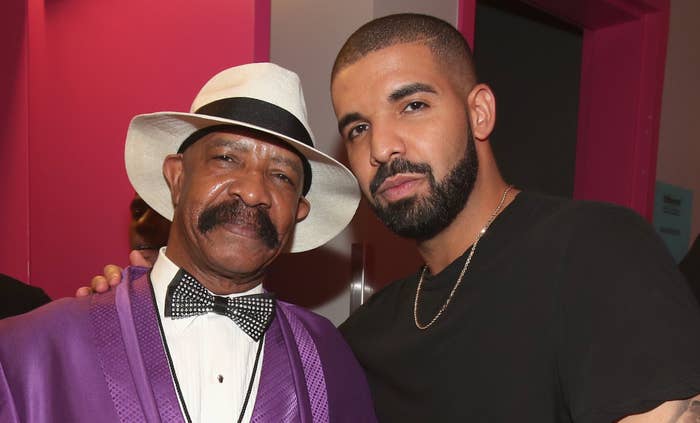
236,212
394,167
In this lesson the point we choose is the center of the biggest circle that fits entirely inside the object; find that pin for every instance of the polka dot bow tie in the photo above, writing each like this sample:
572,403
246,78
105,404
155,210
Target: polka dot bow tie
187,297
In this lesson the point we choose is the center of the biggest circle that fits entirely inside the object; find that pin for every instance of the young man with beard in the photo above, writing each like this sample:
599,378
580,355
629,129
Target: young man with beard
197,338
529,308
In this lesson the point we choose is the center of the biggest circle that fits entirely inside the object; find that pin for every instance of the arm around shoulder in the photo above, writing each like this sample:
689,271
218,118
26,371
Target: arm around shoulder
679,411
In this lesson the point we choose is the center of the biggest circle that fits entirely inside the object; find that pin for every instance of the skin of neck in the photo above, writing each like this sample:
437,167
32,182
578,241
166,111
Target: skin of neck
444,248
215,278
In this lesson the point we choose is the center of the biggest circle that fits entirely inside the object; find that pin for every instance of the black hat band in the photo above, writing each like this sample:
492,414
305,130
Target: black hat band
258,113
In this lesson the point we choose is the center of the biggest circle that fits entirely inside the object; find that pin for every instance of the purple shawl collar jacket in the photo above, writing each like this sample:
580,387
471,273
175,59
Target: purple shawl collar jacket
101,358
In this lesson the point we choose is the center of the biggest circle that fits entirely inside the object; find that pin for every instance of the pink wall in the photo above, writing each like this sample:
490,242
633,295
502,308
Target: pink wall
91,67
466,17
619,116
14,243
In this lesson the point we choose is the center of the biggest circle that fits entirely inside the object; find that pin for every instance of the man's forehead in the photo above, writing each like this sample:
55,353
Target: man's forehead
244,139
393,56
394,66
230,140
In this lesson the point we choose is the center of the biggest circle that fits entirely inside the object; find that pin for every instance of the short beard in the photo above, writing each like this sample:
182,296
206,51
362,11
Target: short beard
423,218
236,212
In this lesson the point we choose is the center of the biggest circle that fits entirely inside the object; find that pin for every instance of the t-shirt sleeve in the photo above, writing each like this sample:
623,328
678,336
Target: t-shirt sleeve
630,325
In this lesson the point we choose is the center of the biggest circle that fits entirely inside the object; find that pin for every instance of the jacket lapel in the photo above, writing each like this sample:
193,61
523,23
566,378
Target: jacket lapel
131,352
157,374
314,394
292,386
276,399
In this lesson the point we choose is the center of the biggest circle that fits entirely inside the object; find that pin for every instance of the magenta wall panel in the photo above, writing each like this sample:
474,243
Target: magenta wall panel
620,109
607,113
261,49
92,65
14,242
622,78
465,20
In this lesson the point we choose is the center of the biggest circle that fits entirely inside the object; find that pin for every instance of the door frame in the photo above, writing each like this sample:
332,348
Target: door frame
622,72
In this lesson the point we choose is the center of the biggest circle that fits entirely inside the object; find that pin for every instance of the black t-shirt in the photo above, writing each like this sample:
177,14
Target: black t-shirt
569,311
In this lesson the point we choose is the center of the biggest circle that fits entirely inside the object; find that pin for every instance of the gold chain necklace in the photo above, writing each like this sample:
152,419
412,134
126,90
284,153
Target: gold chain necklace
464,269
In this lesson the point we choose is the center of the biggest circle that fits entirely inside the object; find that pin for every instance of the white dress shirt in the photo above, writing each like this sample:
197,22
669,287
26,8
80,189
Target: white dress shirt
213,358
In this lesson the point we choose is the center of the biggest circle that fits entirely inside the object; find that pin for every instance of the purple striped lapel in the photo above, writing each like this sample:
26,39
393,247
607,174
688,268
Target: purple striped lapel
112,354
131,352
157,376
276,400
311,364
292,386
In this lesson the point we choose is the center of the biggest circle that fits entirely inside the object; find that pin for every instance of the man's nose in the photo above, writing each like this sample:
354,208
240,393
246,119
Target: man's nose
251,188
386,143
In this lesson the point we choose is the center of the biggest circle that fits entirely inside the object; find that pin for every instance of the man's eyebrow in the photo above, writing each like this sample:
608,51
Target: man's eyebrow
233,144
396,95
345,120
295,165
410,89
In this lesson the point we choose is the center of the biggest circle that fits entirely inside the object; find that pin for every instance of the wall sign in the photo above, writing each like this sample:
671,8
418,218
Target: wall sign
672,216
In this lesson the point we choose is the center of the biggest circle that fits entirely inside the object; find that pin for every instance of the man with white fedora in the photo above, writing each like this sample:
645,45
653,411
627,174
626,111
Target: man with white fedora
197,338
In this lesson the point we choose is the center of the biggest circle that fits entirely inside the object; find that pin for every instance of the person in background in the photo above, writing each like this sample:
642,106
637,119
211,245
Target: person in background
148,230
17,297
196,338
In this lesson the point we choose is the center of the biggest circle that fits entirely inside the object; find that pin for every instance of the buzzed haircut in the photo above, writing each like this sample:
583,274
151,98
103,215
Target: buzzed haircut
446,43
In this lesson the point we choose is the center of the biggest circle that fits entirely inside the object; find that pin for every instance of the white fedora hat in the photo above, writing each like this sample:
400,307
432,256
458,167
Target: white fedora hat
260,96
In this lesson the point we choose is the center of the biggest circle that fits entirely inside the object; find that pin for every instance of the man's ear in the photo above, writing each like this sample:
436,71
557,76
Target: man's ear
173,171
303,209
482,111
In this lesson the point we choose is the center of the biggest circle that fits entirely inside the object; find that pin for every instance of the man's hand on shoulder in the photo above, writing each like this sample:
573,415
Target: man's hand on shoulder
112,276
